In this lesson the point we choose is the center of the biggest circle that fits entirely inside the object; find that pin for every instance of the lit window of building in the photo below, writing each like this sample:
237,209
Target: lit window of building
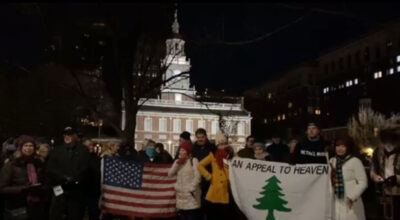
269,95
317,111
189,126
240,128
177,125
390,71
398,69
201,124
279,117
290,105
398,58
265,121
162,125
178,97
356,81
378,75
148,124
283,117
214,126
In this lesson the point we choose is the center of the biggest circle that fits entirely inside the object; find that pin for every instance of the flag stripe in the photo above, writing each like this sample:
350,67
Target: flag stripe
137,192
158,181
141,205
151,189
142,200
139,209
153,173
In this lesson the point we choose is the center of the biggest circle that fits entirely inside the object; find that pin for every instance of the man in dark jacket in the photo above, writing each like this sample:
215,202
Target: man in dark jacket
311,150
248,150
68,172
277,151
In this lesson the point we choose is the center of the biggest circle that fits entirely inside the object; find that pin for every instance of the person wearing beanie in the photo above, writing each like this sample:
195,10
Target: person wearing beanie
184,136
218,193
21,183
162,156
188,192
313,149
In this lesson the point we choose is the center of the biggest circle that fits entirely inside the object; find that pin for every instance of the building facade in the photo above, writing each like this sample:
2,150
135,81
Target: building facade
178,109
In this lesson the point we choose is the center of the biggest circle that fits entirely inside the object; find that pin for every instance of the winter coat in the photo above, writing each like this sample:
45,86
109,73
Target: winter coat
355,183
14,185
246,152
69,163
219,178
188,193
163,158
378,167
278,152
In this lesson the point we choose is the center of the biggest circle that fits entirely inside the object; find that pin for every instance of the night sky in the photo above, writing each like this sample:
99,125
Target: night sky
312,30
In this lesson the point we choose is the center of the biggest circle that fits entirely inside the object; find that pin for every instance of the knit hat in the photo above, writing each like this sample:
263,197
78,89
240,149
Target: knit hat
185,135
187,146
69,131
23,139
313,123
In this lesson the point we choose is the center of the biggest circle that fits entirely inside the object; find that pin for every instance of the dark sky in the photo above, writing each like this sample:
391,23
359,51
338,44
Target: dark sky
205,26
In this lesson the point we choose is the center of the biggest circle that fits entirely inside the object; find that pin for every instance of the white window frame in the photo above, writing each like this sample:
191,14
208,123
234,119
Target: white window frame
177,125
148,124
189,126
214,127
162,125
241,128
201,124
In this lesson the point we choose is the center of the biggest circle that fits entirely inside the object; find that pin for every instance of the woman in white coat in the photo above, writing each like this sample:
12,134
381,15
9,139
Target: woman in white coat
188,192
349,180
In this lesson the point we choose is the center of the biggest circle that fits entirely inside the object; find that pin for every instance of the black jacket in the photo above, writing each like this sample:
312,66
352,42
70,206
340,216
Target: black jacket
163,158
93,188
201,152
308,151
69,163
278,152
246,153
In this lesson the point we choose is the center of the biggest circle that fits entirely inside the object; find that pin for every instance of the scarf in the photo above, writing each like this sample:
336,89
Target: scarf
181,160
33,179
220,154
339,183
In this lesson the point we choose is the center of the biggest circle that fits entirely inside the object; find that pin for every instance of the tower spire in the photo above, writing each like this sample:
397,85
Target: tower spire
175,25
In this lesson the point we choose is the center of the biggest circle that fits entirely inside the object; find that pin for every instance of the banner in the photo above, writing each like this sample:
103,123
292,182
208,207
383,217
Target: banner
279,191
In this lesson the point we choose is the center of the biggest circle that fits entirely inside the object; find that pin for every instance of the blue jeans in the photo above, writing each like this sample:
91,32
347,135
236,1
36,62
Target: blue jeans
193,214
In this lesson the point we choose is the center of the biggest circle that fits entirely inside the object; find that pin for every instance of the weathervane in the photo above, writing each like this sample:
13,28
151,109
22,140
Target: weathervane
175,25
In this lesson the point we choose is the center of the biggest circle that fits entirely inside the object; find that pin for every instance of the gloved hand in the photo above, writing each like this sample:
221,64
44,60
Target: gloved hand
391,180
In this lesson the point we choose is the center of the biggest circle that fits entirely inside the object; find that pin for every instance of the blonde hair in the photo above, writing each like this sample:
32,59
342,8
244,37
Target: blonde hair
220,138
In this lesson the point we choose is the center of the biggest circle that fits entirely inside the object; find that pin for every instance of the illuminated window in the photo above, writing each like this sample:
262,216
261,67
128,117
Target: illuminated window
398,58
283,117
162,125
317,111
378,75
178,97
398,69
201,124
356,81
265,121
177,125
349,83
269,95
214,126
390,71
148,124
279,117
290,105
189,126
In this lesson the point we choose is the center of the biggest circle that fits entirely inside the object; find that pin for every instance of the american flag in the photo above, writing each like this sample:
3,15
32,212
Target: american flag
133,189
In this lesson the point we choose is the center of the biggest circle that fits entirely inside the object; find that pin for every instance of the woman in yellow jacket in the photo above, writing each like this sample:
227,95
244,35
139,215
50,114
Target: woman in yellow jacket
218,193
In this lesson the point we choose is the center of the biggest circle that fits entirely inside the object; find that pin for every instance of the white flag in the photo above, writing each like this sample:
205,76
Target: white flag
279,191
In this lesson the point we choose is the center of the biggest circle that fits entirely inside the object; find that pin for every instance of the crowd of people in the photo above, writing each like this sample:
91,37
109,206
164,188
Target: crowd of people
38,181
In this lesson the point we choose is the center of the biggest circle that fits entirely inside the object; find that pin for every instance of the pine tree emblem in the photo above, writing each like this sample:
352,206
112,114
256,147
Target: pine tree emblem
271,199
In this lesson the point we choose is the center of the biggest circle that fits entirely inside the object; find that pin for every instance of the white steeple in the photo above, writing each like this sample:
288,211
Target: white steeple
175,25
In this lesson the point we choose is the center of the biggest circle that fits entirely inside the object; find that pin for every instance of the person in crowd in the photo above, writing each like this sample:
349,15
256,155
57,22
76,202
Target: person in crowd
162,156
292,145
218,192
188,192
111,149
349,181
183,137
8,151
259,153
147,153
277,151
43,152
93,188
201,149
385,169
67,172
313,149
127,151
21,183
248,150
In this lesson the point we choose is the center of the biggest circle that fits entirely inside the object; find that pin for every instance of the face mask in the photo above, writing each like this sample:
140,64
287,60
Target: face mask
150,152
